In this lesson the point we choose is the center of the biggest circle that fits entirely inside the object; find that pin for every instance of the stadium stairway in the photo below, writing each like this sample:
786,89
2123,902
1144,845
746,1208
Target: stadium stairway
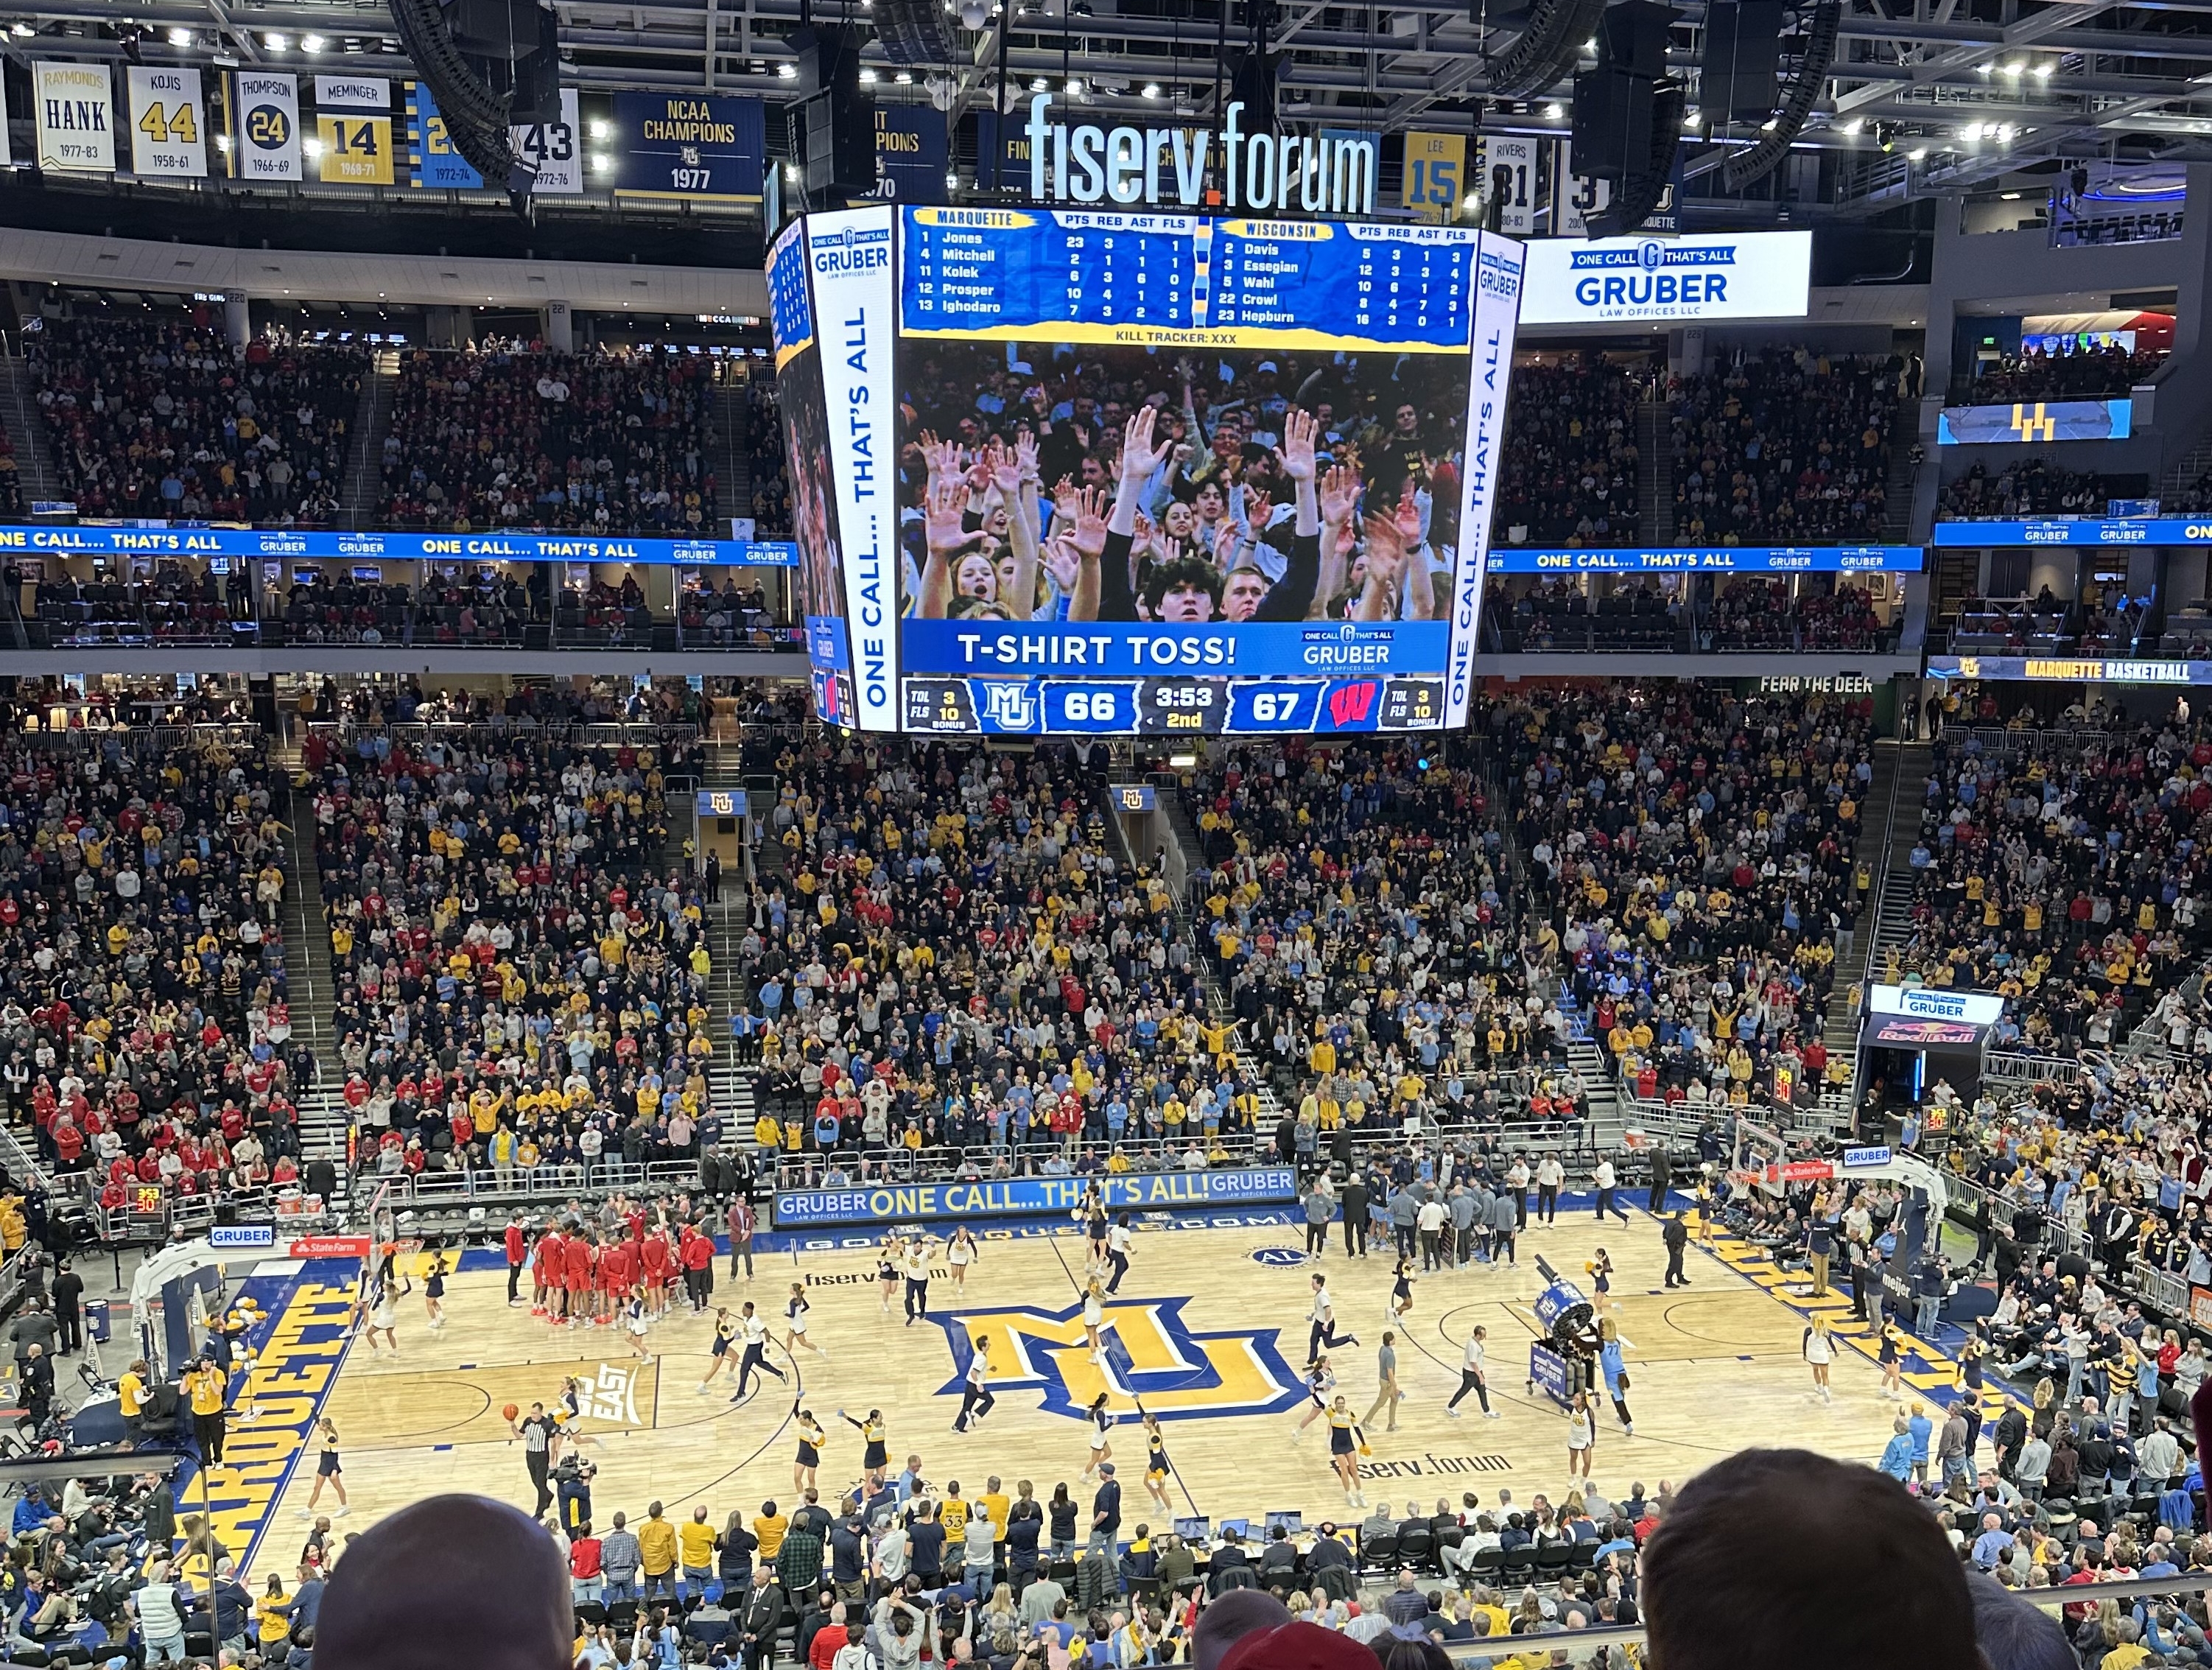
1892,926
364,477
34,468
312,986
2193,464
730,1086
1875,831
733,455
1655,520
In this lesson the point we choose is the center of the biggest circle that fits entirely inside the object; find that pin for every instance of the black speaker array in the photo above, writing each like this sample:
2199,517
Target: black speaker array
1615,103
833,126
1743,43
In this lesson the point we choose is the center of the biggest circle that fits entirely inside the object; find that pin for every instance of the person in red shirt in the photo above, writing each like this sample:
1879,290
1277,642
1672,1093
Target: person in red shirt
516,1248
656,1262
827,1641
547,1264
575,1278
697,1251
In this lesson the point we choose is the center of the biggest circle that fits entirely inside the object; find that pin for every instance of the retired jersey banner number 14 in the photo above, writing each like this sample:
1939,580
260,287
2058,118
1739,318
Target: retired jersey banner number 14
353,126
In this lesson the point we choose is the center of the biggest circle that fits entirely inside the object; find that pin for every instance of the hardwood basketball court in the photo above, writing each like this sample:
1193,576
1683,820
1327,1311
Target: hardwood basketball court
1212,1331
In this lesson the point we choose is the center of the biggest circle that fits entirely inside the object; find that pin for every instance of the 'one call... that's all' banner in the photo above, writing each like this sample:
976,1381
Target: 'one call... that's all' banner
689,147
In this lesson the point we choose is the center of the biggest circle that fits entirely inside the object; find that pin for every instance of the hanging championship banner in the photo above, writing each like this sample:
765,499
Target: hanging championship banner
686,146
265,144
76,117
353,124
910,153
167,135
555,147
1436,175
7,156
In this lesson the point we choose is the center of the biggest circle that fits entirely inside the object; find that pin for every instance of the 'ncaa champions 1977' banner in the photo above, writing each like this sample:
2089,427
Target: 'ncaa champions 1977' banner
688,146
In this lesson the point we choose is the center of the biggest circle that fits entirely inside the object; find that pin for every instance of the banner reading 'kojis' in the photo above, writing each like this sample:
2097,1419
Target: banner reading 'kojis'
168,137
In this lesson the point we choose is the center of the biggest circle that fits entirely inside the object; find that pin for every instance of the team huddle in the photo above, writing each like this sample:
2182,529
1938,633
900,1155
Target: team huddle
581,1278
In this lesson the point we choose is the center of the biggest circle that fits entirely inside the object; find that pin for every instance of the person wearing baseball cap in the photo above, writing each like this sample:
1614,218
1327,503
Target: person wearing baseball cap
1298,1647
1229,1620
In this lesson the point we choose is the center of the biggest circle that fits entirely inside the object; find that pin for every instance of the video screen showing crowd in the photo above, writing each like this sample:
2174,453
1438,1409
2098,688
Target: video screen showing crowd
1146,485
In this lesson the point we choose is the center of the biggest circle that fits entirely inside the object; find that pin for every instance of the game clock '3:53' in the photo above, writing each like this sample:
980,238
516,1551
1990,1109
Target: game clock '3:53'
1189,706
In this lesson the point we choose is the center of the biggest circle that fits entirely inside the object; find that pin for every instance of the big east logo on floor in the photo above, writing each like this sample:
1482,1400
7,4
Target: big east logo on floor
1151,1353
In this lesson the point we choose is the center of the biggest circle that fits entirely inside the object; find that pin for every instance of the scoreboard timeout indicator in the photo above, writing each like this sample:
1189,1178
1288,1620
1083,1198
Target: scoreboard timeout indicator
1171,706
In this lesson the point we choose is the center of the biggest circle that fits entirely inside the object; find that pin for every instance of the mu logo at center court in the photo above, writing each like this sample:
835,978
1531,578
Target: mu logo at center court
1152,1357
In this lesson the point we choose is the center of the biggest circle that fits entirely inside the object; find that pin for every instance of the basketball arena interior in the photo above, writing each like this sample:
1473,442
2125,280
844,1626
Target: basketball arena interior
1105,833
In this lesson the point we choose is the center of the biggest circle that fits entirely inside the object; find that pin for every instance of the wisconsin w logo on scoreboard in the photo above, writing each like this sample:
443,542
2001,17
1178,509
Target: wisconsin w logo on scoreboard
1151,1354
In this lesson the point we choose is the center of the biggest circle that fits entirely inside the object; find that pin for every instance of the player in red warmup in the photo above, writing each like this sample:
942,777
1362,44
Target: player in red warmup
654,1252
547,1262
576,1278
518,1248
617,1275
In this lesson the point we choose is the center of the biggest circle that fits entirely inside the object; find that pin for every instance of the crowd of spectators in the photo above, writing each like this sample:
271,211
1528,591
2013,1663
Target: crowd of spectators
1691,853
953,958
1562,614
169,603
145,1032
1570,456
604,442
1356,916
2084,373
1781,447
403,701
11,482
520,977
713,615
2034,487
1759,613
2062,875
167,419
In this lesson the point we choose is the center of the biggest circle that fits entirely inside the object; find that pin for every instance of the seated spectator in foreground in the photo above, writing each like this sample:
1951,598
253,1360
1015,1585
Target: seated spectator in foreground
1769,1550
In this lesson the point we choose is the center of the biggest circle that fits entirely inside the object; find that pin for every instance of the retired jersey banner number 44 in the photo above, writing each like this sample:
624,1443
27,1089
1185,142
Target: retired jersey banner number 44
166,130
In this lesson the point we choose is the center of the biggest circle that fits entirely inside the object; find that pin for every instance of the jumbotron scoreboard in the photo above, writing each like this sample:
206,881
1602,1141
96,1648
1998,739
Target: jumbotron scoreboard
1301,547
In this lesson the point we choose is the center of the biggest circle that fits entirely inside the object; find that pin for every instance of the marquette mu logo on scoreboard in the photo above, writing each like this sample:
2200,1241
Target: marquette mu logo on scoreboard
1151,1353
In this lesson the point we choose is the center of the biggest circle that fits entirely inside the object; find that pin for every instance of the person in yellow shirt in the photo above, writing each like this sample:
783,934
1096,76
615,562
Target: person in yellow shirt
695,1546
130,1396
770,1527
995,1505
208,1387
656,1552
273,1621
